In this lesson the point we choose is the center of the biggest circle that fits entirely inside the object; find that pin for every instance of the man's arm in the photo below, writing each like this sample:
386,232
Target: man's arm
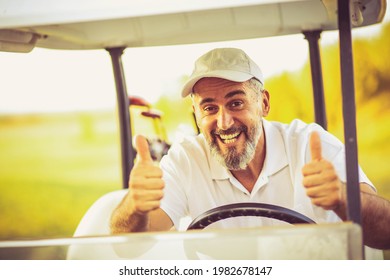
123,221
140,209
375,218
327,191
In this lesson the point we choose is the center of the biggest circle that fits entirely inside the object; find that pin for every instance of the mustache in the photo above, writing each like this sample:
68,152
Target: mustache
231,130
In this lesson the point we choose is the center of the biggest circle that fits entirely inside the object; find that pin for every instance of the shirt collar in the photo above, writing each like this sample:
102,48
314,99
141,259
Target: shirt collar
275,158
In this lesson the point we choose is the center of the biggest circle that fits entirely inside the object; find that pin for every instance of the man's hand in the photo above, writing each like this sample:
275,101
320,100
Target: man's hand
146,184
320,178
135,212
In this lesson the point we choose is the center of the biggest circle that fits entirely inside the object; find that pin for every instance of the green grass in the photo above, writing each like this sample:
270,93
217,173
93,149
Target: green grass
52,169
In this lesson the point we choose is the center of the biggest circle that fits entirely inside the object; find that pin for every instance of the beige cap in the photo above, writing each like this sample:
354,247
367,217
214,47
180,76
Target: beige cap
226,63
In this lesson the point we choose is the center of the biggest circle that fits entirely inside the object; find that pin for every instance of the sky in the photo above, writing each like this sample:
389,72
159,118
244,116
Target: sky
51,80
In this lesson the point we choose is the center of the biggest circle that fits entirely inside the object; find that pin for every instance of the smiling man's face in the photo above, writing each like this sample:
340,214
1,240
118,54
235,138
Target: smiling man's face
229,114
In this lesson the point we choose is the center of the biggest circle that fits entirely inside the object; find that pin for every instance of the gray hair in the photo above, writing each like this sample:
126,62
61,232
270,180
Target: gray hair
256,85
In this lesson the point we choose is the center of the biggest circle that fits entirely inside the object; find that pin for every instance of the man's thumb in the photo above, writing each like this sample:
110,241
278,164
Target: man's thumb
142,147
315,146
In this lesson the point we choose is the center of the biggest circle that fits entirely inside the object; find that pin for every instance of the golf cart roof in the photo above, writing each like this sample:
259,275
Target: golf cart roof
92,24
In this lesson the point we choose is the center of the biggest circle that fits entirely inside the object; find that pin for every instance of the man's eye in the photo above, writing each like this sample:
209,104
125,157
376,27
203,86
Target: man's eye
209,109
236,104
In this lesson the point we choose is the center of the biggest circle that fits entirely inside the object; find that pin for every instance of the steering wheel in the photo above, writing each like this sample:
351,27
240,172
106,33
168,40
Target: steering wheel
193,246
248,209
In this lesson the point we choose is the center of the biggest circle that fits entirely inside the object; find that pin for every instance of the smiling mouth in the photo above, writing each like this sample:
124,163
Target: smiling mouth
229,138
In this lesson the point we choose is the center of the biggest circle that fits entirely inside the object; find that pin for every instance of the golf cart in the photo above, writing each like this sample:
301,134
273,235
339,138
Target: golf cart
115,26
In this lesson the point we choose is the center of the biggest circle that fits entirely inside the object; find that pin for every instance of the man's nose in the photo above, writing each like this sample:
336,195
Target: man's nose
224,119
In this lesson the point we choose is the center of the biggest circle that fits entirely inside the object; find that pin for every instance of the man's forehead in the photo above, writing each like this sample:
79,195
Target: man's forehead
211,82
205,98
219,88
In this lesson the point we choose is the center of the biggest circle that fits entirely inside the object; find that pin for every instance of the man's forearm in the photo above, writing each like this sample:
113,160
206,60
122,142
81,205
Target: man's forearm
123,221
375,217
375,220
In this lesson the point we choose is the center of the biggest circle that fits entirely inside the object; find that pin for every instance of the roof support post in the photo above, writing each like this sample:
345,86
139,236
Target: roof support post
349,112
127,152
316,74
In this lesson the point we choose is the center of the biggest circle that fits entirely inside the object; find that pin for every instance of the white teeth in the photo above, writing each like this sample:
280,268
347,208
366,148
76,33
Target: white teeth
229,141
229,138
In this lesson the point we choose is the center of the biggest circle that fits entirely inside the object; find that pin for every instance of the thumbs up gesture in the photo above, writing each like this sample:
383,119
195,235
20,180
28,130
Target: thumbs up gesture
145,184
320,179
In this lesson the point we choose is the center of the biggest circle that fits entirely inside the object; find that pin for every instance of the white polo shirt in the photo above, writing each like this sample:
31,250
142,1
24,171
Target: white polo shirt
195,182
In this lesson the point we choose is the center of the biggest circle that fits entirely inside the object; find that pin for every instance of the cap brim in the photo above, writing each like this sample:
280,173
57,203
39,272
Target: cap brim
234,76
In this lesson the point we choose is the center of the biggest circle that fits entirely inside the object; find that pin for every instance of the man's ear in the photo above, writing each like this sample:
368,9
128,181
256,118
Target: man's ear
266,105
